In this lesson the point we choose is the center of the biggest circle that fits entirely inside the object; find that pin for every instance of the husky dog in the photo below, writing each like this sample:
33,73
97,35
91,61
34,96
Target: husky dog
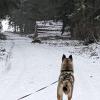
66,78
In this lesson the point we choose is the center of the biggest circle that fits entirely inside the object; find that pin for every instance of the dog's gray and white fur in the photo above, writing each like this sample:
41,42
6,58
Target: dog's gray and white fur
66,78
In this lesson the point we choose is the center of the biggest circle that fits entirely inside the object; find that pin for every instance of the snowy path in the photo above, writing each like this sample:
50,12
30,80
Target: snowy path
33,66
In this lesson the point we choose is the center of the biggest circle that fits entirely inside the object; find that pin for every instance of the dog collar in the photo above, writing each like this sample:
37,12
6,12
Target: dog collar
66,70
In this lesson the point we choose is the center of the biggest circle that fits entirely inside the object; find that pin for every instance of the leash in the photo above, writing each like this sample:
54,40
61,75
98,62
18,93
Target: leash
37,91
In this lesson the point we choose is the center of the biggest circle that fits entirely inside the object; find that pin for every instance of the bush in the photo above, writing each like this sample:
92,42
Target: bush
2,36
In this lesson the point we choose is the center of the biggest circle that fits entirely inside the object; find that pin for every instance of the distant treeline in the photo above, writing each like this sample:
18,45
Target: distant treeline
83,16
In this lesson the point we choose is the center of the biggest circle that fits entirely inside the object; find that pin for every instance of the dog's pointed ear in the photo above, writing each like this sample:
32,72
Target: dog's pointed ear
70,57
63,57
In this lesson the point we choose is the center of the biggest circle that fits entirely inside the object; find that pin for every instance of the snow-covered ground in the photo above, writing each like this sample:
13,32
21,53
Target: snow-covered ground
26,67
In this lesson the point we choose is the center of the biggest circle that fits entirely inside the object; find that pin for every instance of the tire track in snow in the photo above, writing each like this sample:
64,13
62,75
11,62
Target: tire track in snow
8,57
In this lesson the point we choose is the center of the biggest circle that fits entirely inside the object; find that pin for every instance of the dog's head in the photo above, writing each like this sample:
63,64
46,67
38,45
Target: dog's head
67,61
